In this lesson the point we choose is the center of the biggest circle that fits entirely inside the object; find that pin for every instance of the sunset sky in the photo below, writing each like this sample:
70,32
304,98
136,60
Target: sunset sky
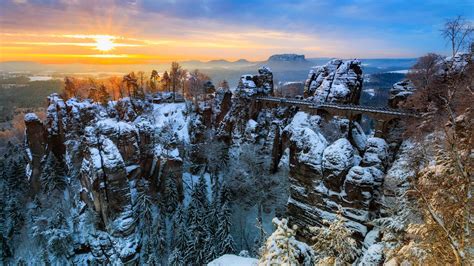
145,31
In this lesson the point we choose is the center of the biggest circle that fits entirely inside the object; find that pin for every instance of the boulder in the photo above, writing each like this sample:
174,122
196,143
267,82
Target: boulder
338,158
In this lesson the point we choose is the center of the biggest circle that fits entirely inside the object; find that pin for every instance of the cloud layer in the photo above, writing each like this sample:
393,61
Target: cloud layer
150,31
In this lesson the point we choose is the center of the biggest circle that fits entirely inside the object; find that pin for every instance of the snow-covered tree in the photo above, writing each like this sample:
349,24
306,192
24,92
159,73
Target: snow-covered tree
53,175
180,243
281,247
14,186
334,244
170,197
196,221
225,240
143,208
154,244
212,241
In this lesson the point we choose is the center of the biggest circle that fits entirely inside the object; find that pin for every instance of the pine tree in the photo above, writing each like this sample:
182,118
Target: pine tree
59,237
161,235
16,184
153,78
45,257
142,209
165,81
181,246
212,241
53,175
225,195
170,198
178,220
180,238
3,196
198,227
17,172
225,239
198,206
281,247
176,258
335,243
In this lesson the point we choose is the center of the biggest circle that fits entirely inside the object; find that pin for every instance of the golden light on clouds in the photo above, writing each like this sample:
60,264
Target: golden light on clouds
106,48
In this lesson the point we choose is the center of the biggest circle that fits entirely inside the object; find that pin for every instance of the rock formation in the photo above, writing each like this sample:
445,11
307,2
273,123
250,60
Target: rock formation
287,58
36,140
340,171
400,92
260,83
337,81
105,147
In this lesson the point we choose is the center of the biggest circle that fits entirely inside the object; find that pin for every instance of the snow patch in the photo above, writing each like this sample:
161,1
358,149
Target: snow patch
233,260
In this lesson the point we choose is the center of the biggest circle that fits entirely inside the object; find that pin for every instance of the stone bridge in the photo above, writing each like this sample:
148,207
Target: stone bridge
381,115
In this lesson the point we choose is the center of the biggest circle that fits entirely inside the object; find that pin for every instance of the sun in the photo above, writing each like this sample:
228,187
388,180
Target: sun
104,43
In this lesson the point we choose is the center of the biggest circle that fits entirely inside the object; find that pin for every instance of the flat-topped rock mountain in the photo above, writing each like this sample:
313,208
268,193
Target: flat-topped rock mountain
287,58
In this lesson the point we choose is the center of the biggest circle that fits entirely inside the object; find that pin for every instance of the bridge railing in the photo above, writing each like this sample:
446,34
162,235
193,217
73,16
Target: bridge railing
339,106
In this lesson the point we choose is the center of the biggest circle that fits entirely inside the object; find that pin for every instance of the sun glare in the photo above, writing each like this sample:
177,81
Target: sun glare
104,43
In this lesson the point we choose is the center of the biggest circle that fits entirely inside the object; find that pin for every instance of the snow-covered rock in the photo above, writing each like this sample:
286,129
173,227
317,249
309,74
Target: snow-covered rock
399,92
260,83
337,81
307,144
172,115
338,158
358,137
373,255
376,153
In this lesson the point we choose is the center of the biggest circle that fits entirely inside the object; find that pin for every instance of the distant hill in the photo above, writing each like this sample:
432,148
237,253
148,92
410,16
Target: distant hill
285,67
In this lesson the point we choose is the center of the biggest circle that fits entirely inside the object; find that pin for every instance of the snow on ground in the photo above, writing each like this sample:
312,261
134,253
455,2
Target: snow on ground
174,115
230,260
40,78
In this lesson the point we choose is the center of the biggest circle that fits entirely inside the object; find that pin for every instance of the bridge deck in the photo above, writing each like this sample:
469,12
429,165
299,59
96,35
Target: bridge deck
338,106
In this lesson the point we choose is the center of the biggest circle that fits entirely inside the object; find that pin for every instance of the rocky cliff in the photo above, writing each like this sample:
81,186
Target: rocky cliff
317,166
109,149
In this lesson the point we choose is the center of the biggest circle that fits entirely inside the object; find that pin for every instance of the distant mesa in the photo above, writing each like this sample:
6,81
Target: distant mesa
287,58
